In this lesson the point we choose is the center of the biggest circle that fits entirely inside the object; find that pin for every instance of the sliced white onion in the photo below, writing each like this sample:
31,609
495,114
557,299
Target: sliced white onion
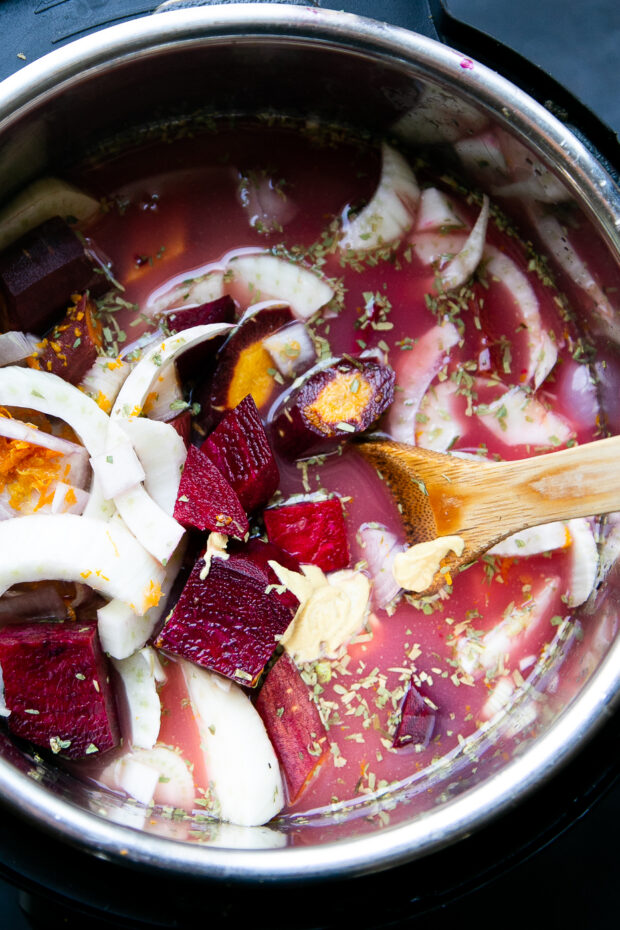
439,116
65,547
137,387
584,561
463,265
118,469
415,370
69,499
162,454
167,394
16,346
379,548
261,275
291,349
241,764
140,674
104,379
17,429
534,541
187,292
391,210
438,422
153,776
121,632
543,352
156,530
519,419
40,201
435,212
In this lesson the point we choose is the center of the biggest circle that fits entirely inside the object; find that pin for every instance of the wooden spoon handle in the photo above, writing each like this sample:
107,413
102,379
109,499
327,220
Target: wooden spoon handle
503,498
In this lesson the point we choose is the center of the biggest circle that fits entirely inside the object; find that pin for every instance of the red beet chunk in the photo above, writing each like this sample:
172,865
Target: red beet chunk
293,724
259,554
199,361
313,531
206,501
226,622
333,404
72,347
56,686
417,721
40,272
239,448
244,366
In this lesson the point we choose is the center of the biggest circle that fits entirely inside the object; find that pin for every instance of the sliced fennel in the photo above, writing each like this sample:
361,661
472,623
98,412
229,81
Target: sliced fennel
140,674
391,210
66,547
243,770
265,275
40,201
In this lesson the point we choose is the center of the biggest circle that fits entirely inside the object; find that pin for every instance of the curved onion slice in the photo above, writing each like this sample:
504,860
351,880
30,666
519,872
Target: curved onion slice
414,373
184,292
15,346
65,547
438,422
391,210
379,549
158,775
534,541
241,764
135,390
162,453
263,275
519,419
40,201
140,674
435,212
554,237
463,265
104,380
486,653
542,349
158,532
121,632
584,561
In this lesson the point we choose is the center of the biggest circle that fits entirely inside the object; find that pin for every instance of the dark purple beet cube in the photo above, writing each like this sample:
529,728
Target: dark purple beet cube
258,554
199,361
226,622
56,685
40,272
312,531
239,448
417,721
206,501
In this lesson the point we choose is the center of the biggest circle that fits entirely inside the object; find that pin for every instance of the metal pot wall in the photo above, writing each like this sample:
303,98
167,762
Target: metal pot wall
337,68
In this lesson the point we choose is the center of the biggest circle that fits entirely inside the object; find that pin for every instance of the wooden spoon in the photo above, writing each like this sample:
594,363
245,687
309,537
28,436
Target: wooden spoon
484,502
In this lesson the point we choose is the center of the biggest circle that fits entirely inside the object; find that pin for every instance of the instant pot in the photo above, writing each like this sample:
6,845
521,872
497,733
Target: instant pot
53,843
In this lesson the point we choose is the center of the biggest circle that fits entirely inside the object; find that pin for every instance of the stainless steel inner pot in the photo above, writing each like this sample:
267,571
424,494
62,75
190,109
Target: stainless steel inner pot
319,66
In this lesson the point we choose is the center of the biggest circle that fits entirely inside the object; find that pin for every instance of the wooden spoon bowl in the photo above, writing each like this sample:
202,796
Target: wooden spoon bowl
484,502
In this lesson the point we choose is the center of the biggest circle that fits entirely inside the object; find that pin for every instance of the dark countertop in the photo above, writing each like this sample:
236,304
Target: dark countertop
573,881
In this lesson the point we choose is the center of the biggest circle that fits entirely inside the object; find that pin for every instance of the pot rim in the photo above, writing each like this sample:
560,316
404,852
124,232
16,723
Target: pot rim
585,178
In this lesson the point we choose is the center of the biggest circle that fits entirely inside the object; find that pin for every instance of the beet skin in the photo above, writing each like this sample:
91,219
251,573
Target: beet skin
56,686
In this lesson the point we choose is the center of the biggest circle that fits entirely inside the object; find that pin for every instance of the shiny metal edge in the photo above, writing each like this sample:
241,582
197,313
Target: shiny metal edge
593,188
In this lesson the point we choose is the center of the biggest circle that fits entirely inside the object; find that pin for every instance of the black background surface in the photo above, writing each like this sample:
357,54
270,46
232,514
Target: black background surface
574,882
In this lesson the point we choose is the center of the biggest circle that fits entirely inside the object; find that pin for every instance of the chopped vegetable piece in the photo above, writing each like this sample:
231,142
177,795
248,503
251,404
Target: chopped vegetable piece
244,365
56,687
293,724
140,673
239,448
198,361
333,403
72,347
40,272
312,531
226,622
244,774
40,201
262,276
206,501
260,553
417,720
